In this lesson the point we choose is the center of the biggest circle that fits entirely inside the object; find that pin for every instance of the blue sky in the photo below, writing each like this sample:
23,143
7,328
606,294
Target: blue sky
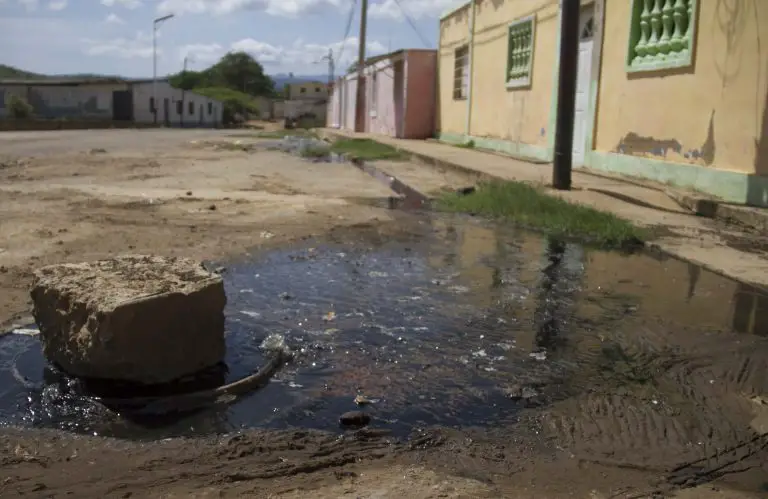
115,36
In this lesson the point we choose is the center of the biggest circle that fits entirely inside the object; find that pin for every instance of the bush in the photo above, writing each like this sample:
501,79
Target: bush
18,108
235,103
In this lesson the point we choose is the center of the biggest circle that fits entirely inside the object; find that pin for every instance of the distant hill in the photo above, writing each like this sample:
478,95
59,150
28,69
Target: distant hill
282,79
9,72
12,73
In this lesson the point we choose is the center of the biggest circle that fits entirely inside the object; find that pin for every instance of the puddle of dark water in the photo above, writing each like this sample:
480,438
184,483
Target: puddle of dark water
465,327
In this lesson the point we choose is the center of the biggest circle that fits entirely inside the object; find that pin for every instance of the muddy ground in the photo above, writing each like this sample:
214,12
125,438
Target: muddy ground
155,192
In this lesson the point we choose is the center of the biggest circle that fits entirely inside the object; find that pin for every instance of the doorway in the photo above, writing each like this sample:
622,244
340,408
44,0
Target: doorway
167,112
399,98
583,84
122,105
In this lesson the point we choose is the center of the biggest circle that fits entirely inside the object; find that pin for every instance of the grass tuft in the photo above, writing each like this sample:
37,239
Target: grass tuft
315,152
279,134
366,150
533,208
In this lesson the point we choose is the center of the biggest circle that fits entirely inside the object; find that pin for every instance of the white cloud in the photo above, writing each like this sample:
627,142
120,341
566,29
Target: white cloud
113,19
305,54
140,46
128,4
416,9
31,5
57,4
201,52
283,8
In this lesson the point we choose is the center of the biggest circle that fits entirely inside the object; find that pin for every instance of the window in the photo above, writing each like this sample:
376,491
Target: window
520,39
191,108
461,73
179,107
317,90
152,104
303,90
210,108
661,34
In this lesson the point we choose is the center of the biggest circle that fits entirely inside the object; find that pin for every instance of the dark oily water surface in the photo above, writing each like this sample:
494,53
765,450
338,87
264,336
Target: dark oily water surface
639,358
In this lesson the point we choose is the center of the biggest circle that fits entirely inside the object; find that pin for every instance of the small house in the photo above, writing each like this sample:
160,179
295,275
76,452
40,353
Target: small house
399,96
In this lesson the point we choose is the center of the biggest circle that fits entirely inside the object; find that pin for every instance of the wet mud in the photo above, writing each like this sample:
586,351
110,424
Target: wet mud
635,361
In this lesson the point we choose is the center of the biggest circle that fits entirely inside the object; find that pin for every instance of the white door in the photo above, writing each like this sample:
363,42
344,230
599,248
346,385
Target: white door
586,29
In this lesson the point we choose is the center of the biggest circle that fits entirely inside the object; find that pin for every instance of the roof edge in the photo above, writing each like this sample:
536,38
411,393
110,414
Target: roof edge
455,10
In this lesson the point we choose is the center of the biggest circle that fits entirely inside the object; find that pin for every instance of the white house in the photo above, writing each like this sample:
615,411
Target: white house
113,99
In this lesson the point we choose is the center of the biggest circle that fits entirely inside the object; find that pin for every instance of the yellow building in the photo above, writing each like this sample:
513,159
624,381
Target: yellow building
312,90
675,91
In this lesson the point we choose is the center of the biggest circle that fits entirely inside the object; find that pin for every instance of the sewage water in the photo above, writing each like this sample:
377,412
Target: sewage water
467,324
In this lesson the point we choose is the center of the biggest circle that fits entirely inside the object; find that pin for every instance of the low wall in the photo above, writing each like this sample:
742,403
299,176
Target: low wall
30,125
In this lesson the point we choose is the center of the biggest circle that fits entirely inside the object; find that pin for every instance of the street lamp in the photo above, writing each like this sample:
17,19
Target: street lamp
155,25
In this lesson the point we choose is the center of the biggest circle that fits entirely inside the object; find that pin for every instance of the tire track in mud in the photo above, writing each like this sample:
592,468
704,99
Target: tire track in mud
666,400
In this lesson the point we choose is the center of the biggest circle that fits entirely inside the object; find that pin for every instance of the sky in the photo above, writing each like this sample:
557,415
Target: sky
286,36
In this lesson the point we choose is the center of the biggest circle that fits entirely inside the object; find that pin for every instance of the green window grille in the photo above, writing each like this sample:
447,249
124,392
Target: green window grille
461,73
662,34
521,37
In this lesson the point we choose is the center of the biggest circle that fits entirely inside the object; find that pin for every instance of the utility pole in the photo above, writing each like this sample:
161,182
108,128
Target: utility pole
566,93
183,93
155,24
360,98
331,66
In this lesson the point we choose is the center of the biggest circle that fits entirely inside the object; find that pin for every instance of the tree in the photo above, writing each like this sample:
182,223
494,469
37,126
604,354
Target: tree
235,71
240,71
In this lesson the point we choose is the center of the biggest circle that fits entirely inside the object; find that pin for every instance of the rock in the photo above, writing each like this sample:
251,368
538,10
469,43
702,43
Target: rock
355,418
143,319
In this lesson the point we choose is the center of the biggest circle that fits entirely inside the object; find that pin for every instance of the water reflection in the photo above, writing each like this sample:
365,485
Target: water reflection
437,329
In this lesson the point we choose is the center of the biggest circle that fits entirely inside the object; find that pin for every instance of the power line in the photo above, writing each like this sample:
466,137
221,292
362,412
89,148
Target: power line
347,30
413,25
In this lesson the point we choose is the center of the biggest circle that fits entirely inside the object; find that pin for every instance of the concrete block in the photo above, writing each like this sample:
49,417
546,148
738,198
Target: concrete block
143,319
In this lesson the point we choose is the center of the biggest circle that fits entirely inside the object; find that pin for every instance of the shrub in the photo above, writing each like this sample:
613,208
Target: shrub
235,103
18,108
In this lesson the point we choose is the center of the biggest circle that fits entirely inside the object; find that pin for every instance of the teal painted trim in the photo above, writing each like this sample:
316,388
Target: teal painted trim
519,149
673,60
594,82
553,107
732,187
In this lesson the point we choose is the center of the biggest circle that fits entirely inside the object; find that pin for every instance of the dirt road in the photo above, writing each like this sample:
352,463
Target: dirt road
174,192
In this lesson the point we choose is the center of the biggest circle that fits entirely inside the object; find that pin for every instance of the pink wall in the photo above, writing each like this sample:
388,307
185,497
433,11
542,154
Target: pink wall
400,98
381,115
421,71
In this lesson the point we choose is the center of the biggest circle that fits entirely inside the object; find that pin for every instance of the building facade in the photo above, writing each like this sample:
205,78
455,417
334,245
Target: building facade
674,91
312,90
112,99
399,96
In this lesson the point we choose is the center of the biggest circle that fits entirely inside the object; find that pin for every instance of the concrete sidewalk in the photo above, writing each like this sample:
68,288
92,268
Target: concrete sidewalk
706,242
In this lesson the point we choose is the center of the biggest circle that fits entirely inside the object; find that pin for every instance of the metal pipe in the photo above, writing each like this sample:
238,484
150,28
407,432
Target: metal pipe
471,65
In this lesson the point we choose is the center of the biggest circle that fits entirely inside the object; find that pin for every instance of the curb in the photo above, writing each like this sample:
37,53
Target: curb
698,205
710,208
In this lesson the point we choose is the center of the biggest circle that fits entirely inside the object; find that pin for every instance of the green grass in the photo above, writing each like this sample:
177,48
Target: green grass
533,208
315,152
367,150
470,144
279,134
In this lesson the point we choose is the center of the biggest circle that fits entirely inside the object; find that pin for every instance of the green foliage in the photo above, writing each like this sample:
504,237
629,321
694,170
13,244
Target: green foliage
18,108
532,207
236,71
366,149
11,73
234,102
